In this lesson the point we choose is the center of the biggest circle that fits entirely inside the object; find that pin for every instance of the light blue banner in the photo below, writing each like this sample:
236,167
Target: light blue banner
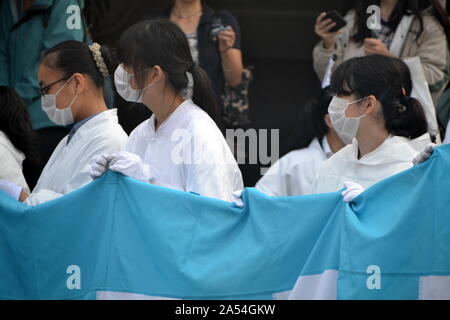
120,235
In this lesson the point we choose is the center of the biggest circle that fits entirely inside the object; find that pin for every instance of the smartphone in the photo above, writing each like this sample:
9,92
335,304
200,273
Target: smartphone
337,18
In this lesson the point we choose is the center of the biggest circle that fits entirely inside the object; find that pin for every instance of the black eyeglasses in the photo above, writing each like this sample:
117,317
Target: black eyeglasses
44,90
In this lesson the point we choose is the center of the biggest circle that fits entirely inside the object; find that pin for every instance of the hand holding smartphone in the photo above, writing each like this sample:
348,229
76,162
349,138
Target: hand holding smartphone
328,25
336,18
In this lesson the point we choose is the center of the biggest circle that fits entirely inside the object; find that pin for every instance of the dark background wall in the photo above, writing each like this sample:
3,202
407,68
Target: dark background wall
277,39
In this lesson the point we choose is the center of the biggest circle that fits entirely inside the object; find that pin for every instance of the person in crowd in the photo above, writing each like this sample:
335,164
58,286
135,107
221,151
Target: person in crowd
72,77
315,142
180,146
443,105
405,32
27,29
17,139
217,50
374,115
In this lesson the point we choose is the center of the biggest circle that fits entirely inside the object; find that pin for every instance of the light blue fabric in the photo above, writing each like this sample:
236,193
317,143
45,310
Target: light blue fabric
21,51
128,236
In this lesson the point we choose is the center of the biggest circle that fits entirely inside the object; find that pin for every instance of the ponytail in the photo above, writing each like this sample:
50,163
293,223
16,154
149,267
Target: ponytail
405,117
203,94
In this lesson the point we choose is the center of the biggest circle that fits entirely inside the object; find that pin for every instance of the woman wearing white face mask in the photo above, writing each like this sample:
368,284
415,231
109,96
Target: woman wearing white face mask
315,142
180,146
373,114
72,78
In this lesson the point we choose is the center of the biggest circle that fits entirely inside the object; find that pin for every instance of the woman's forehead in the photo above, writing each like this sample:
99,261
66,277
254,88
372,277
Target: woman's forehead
48,75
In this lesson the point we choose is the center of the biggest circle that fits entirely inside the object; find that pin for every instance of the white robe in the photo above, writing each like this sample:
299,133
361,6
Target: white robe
395,155
69,166
188,153
11,161
295,173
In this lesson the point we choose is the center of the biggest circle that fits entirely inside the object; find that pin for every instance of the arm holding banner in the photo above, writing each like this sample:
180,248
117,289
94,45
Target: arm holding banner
352,191
82,174
128,164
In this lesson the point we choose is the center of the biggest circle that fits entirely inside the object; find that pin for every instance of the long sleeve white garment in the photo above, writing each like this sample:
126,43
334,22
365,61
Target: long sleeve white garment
188,153
295,173
11,161
393,156
69,166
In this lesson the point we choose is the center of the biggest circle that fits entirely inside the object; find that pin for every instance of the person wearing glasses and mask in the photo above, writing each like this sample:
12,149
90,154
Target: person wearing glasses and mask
384,128
72,77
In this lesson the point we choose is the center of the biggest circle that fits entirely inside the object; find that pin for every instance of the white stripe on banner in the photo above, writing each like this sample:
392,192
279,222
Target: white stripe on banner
316,287
282,295
434,288
109,295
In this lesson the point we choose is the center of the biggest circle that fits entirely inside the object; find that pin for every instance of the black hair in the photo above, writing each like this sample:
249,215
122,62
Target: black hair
382,77
311,124
72,57
161,42
403,7
404,74
16,124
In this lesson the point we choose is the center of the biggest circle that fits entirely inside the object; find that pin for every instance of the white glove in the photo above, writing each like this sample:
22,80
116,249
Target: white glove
100,165
11,189
237,195
130,165
424,155
352,191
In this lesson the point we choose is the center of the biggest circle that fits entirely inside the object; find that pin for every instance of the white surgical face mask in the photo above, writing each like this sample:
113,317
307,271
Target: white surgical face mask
122,80
63,117
346,128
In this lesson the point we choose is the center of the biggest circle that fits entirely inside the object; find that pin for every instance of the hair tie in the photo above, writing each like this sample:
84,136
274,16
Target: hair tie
404,102
192,68
99,61
188,92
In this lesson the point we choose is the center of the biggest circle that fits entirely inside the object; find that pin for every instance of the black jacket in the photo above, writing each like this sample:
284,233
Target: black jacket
209,55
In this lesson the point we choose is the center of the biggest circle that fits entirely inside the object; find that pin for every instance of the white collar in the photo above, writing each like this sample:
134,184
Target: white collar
92,124
393,149
326,147
173,118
